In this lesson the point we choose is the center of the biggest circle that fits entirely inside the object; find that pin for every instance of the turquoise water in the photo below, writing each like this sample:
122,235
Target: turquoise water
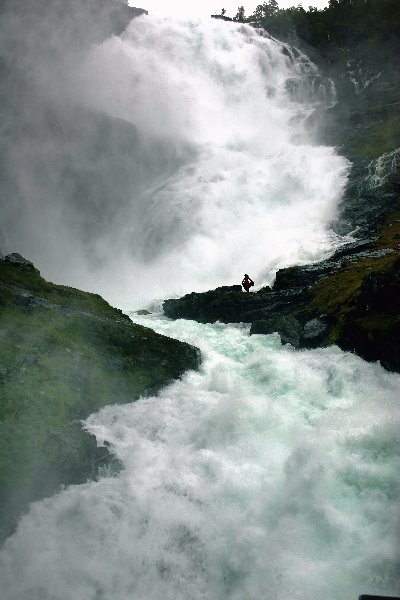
270,473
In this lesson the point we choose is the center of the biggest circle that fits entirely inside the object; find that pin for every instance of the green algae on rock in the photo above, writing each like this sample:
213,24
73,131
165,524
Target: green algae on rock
362,300
64,354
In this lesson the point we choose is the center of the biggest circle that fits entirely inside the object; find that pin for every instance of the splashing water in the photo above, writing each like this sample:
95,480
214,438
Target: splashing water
249,196
270,473
380,169
224,177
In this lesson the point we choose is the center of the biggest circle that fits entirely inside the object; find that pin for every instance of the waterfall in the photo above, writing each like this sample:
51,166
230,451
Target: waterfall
269,473
178,158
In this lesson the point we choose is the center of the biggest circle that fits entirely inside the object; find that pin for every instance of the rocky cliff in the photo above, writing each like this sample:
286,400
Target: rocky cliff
64,354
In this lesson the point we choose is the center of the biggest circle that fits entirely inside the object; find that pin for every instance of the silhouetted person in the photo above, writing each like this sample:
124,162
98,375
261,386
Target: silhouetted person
247,283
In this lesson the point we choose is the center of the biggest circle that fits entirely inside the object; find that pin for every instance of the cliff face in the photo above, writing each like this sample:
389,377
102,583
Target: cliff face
63,355
353,298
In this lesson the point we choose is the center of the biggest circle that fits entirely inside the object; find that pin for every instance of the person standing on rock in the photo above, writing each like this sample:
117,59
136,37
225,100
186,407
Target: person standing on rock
247,283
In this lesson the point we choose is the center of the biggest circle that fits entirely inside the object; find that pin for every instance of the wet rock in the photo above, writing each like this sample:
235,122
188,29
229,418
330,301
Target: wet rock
19,261
380,292
227,304
373,327
302,276
288,327
314,333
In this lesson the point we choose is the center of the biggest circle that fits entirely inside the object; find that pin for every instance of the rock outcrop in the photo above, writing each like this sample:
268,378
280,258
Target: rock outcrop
64,354
351,299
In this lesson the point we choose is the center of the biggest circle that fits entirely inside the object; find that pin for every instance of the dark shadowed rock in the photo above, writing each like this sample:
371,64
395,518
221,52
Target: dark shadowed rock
315,332
64,354
19,261
288,327
374,328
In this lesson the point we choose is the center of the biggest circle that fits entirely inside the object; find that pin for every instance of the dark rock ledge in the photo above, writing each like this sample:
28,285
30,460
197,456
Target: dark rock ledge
352,299
64,354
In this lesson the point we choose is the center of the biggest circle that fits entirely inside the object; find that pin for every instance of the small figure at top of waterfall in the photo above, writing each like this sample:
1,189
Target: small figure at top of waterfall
247,283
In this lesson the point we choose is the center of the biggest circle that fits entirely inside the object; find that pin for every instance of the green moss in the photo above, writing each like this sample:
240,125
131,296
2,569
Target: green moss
379,134
389,234
59,364
337,294
32,281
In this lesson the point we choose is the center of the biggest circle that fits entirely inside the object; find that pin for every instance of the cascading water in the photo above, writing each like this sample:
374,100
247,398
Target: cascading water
222,177
379,170
246,192
269,473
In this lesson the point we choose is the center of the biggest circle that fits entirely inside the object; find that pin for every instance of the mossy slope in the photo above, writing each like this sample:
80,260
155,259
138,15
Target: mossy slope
362,300
64,354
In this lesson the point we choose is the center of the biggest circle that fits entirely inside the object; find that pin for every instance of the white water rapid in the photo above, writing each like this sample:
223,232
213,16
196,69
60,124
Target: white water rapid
270,473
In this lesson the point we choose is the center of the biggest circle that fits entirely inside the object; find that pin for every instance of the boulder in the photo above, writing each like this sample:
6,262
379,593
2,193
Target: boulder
288,327
19,261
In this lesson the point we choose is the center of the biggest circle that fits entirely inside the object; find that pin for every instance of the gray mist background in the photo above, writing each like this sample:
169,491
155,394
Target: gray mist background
67,173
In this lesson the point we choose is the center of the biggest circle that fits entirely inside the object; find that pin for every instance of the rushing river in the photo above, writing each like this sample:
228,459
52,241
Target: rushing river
269,473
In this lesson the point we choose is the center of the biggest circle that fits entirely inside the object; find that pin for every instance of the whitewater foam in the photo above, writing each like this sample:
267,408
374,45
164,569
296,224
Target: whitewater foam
270,473
251,197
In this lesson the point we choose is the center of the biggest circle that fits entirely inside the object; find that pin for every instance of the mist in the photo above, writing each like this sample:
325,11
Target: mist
147,158
157,159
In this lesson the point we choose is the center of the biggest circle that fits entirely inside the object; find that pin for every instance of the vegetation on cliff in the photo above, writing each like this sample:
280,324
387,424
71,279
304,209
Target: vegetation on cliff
64,354
356,42
343,22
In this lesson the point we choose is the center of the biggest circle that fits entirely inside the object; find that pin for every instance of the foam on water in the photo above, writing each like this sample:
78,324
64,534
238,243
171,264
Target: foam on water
270,473
223,176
